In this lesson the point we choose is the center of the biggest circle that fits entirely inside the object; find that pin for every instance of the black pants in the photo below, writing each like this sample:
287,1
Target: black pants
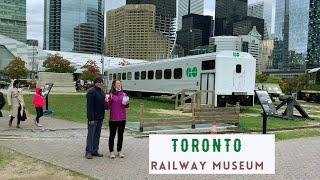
39,111
114,126
93,138
11,119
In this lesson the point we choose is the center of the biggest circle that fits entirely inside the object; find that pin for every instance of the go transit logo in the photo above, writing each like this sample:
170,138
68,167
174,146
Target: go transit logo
192,72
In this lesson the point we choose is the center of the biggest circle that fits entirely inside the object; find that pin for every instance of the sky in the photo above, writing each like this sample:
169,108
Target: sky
35,13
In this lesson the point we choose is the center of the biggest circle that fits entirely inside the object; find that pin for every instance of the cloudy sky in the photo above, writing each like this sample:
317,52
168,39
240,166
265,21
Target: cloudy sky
35,15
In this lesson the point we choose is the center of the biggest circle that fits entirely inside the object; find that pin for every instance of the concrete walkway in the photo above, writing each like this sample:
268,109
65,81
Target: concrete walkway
295,159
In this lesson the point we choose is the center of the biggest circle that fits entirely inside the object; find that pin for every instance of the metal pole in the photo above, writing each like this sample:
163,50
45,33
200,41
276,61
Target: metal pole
33,63
102,67
264,127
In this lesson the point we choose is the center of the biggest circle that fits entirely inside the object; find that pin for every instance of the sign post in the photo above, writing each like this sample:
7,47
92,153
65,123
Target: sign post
45,92
268,108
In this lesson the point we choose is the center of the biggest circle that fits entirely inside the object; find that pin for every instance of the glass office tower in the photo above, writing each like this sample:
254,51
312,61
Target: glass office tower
76,26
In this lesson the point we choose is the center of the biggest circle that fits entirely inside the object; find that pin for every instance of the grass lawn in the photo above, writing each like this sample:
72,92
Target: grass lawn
250,109
4,158
14,165
297,134
73,107
255,123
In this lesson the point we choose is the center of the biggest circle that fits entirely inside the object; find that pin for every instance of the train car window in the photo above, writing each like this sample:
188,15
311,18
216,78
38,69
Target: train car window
208,65
177,73
136,75
167,73
119,76
110,77
158,74
238,68
124,76
150,74
114,76
143,75
129,76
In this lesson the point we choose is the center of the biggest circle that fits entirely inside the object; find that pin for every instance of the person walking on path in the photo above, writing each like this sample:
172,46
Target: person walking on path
15,102
117,102
38,102
95,115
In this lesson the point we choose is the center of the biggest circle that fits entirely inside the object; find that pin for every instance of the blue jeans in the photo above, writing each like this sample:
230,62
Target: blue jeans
93,138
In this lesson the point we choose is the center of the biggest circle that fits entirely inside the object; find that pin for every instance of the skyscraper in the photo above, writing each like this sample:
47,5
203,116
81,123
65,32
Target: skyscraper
196,31
76,26
262,10
227,12
131,33
13,19
296,34
165,19
196,7
245,25
314,35
243,43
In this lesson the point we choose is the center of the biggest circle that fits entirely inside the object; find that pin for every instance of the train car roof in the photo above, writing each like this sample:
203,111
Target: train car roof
226,54
314,70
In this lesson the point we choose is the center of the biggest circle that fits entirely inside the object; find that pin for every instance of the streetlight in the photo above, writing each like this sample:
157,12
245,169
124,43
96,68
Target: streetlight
34,63
102,68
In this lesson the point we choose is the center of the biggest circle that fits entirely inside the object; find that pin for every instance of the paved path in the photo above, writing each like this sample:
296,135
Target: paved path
295,159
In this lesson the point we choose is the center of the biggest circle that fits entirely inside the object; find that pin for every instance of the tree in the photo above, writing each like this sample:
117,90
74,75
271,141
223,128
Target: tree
56,63
16,69
91,70
296,84
261,78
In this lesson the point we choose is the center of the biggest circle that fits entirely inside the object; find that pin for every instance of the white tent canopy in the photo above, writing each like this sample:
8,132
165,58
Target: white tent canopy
80,59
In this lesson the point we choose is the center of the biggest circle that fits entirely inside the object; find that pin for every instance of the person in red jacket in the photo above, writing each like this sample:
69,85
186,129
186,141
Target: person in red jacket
38,102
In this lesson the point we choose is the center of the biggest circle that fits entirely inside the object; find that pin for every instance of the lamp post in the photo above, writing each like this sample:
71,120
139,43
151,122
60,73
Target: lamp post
102,69
34,65
33,62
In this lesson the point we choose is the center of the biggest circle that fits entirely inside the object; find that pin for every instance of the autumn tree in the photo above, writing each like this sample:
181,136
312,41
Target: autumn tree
91,70
296,84
56,63
16,69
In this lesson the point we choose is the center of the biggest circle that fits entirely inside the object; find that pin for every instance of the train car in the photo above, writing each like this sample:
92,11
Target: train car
273,89
230,74
312,91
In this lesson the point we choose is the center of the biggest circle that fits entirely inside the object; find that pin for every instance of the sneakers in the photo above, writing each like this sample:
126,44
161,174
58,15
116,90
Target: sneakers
112,156
88,156
98,155
38,125
120,155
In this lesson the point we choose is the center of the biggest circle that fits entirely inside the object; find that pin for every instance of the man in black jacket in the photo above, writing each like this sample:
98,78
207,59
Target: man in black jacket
95,116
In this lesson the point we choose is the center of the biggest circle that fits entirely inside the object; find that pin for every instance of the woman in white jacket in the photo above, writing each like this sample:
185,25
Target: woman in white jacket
15,100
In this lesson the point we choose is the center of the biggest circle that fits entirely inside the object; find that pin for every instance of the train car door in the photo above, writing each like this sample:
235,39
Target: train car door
207,84
238,78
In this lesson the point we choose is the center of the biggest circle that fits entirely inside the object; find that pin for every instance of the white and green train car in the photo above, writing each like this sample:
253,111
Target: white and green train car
230,74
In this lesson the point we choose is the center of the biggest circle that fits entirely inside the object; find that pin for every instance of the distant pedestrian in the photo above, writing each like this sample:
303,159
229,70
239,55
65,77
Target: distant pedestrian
15,102
38,102
117,101
95,115
2,103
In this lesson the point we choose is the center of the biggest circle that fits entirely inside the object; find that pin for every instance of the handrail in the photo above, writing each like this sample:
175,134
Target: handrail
179,92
